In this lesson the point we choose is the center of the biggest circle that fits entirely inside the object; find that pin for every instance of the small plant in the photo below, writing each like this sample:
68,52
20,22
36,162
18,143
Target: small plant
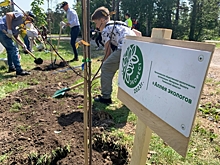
23,128
43,159
16,107
3,157
80,106
34,82
208,80
212,135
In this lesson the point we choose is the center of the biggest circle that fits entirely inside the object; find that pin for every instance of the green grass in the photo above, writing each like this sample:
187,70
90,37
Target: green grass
202,150
8,87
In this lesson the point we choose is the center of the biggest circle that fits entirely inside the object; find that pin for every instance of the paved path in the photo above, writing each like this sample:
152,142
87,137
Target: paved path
215,58
212,41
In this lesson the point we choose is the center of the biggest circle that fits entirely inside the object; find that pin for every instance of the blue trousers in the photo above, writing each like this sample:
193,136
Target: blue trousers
27,42
12,51
74,34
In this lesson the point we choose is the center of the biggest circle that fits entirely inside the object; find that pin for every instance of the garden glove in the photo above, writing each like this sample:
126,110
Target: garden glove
24,47
62,24
9,33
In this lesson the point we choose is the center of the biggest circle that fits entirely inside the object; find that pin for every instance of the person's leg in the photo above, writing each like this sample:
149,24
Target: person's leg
27,42
96,41
12,54
109,67
74,34
100,40
10,47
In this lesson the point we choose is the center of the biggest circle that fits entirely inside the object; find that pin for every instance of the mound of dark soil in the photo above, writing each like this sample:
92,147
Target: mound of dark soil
38,129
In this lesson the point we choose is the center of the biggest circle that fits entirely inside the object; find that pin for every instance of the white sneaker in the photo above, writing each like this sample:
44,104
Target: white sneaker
103,48
97,48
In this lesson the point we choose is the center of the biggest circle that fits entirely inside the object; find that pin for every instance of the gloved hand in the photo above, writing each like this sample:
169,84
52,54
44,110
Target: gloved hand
9,33
24,47
62,24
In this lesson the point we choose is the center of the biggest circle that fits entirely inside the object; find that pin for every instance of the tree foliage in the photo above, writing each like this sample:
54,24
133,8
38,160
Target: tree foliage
39,12
189,19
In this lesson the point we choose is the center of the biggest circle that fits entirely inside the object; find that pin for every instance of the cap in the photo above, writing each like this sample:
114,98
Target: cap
64,3
30,14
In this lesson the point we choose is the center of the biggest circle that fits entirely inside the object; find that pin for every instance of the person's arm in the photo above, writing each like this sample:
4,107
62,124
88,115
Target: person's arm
9,17
18,39
107,50
20,42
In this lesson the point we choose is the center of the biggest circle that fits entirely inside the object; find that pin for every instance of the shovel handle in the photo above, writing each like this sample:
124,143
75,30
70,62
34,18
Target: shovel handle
14,39
31,54
79,84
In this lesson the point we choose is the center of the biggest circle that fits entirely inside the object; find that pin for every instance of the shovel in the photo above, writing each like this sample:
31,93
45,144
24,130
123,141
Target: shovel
62,91
37,61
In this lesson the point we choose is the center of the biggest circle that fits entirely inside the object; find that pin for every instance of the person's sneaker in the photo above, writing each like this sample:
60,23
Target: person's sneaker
102,100
97,48
74,59
11,70
22,73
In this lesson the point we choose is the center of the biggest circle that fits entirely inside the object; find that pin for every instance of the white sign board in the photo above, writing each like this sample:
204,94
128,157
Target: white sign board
167,80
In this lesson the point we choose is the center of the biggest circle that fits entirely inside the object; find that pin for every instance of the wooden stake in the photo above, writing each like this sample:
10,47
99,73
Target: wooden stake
58,42
141,144
143,133
85,113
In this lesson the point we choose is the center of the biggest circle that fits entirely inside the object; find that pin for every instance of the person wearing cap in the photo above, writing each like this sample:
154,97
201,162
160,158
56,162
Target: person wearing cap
113,34
8,30
73,23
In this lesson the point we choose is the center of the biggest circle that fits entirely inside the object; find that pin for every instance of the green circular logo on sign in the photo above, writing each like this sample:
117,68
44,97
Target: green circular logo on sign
132,65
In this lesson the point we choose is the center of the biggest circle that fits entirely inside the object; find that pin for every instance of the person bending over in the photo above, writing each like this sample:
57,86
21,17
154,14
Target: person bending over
113,34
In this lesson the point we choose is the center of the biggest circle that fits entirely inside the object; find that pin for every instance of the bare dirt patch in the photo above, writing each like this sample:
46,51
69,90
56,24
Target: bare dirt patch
38,129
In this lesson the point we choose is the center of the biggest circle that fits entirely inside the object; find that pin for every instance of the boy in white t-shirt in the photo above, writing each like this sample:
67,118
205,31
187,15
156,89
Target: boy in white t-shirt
113,34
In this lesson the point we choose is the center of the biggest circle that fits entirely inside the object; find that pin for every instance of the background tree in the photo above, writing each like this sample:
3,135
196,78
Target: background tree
39,12
189,19
181,23
204,19
4,10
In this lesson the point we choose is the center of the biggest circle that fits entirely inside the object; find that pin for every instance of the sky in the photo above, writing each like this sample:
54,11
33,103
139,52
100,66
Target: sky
26,4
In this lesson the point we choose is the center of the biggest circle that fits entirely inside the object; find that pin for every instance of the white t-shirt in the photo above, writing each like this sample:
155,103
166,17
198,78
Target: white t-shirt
31,30
119,31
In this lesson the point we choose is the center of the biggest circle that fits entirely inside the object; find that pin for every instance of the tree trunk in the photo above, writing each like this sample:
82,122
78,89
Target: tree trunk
113,9
193,21
147,26
117,9
176,22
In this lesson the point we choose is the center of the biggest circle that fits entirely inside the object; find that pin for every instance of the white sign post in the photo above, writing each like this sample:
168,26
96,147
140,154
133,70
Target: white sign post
161,80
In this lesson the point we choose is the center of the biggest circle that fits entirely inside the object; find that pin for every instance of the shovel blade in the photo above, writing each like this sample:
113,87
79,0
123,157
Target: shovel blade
60,92
38,61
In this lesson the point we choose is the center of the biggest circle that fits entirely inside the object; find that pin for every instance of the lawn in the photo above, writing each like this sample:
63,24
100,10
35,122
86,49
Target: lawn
39,129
